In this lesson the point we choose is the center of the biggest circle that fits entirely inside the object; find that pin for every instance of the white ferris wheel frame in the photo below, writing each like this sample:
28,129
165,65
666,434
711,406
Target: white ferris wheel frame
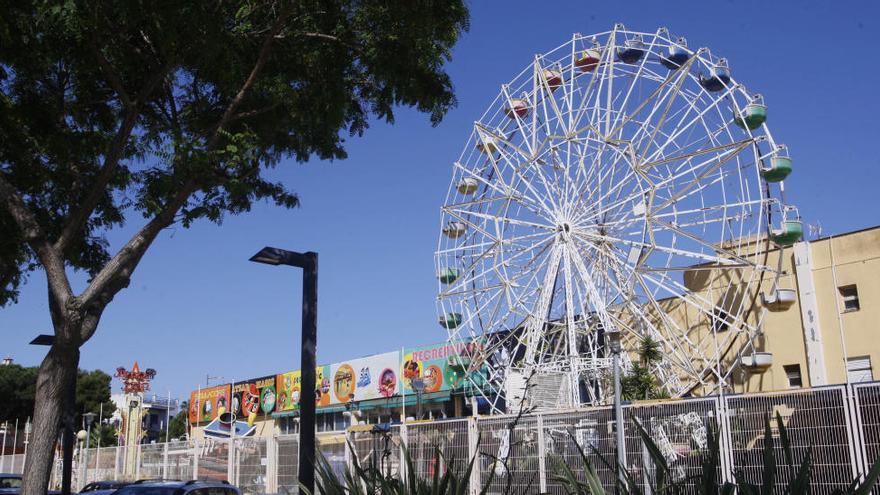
589,206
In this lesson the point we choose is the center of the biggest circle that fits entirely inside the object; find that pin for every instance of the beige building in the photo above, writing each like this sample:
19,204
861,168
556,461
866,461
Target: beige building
831,334
819,325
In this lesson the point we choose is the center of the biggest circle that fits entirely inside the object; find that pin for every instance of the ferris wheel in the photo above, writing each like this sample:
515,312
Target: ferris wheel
622,182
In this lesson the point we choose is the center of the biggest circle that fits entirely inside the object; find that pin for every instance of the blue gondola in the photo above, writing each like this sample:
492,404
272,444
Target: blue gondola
633,50
676,55
718,78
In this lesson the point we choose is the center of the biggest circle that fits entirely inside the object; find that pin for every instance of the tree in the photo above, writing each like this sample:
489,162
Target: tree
17,387
640,382
104,435
93,394
177,426
170,112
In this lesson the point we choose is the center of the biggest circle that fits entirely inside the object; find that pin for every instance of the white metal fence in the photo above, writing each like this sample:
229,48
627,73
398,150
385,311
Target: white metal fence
840,425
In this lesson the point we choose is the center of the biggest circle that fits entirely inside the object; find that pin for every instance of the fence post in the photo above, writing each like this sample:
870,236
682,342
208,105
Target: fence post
196,453
165,462
137,462
850,402
346,452
230,463
272,464
116,462
404,451
542,461
725,436
474,453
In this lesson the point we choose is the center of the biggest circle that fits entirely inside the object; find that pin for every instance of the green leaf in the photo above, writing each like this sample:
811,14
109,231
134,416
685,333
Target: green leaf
870,479
769,468
801,482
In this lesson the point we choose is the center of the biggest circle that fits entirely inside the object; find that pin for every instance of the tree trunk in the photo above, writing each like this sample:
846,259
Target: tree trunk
54,405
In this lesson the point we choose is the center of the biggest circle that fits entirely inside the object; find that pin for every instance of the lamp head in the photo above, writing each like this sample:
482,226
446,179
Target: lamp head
269,256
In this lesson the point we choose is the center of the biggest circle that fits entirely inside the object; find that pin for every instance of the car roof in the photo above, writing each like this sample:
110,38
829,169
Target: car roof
10,475
178,483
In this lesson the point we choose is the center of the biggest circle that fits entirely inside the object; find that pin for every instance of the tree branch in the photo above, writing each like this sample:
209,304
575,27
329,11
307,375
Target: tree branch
111,75
116,274
81,213
252,77
254,113
50,258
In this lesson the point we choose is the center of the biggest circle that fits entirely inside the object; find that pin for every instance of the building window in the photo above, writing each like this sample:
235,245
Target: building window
858,369
793,373
850,296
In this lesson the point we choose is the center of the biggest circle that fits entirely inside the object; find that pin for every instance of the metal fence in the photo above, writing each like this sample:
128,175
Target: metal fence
839,425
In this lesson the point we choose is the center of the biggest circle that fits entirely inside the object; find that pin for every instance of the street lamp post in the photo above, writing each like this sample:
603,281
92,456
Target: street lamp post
3,455
613,337
309,263
90,418
418,385
81,436
27,438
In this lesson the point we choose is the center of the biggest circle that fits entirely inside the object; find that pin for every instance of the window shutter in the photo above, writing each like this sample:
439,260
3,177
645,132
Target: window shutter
859,369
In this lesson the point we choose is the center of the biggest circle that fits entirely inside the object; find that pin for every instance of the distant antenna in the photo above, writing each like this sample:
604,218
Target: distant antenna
815,229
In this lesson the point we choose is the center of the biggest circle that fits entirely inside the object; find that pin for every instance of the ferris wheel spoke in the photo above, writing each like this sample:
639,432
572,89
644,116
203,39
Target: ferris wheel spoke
462,213
606,59
535,324
672,347
683,126
679,77
706,244
519,121
697,256
688,356
671,97
719,162
474,272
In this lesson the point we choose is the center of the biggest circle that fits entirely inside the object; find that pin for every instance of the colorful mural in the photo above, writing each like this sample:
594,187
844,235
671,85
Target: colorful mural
366,378
208,403
289,387
254,398
441,367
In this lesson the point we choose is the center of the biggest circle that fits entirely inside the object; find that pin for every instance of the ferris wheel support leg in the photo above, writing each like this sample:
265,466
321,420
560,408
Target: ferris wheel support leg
619,422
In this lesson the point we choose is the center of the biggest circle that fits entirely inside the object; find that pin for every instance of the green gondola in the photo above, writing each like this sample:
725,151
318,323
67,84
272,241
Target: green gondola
450,320
780,168
458,362
754,116
789,232
448,275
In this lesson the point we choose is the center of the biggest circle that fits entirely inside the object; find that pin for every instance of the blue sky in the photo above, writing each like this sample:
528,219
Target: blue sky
196,306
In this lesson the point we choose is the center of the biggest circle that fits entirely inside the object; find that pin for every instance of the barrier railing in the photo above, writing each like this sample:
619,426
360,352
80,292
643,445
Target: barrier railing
839,424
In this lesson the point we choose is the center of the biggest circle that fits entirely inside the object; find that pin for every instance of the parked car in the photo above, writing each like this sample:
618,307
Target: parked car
104,487
167,487
10,484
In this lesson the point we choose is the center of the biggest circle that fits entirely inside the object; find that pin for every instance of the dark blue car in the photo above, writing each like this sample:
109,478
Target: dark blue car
10,484
194,487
